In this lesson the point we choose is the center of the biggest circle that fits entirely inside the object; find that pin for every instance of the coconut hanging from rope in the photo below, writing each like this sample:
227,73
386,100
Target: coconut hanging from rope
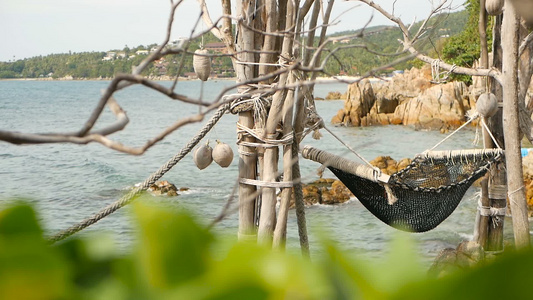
487,105
222,154
201,64
203,156
494,7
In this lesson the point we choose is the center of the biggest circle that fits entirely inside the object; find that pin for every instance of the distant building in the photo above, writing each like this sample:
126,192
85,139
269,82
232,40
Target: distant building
110,56
121,54
142,52
153,49
216,47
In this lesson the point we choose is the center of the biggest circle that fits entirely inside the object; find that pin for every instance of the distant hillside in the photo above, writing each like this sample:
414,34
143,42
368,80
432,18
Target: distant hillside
381,39
384,39
107,64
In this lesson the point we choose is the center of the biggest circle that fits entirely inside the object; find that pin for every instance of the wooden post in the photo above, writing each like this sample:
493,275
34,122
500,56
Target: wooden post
269,43
515,180
498,177
268,206
247,155
482,222
280,232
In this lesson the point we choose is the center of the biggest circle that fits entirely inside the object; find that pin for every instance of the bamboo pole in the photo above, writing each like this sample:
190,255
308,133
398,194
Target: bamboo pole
515,180
269,43
280,232
498,176
267,221
298,126
247,155
482,222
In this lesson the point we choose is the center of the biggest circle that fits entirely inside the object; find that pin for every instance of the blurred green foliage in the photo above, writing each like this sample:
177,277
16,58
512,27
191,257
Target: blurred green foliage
176,258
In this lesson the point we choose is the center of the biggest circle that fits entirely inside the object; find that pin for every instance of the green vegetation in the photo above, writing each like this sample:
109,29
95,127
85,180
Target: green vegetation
384,39
176,258
105,64
463,49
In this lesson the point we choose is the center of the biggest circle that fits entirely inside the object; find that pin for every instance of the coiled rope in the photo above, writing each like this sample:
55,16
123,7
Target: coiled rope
129,197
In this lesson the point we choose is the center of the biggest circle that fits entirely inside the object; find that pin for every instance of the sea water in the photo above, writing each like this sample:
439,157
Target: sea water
69,182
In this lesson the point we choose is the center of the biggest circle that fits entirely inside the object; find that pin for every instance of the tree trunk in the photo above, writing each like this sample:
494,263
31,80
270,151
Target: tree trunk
515,180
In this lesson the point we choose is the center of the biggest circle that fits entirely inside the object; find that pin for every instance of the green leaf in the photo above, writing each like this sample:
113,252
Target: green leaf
173,248
29,269
19,219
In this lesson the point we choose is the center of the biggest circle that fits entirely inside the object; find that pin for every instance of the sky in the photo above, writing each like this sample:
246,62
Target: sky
40,27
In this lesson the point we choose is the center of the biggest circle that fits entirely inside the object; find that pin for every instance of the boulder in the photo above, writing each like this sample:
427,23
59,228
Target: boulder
408,99
163,188
359,101
335,96
324,191
527,164
388,165
434,108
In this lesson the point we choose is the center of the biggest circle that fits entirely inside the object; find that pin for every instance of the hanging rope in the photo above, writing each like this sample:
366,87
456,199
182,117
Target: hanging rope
437,75
129,197
471,118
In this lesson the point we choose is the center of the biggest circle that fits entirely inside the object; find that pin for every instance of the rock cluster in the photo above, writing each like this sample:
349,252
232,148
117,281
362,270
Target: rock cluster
161,188
325,191
465,256
388,165
407,99
335,96
527,164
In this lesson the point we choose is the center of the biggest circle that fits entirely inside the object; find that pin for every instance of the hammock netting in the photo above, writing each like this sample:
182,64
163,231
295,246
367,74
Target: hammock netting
425,193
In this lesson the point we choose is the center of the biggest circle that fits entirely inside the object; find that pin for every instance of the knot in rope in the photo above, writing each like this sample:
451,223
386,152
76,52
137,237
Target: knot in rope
438,76
258,103
270,140
313,122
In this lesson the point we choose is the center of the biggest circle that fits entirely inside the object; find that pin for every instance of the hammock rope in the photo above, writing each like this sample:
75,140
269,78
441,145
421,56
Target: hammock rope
129,197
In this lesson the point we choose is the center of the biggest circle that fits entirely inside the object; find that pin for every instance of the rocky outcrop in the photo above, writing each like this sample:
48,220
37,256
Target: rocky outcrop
161,188
527,164
335,96
325,191
359,100
388,165
407,99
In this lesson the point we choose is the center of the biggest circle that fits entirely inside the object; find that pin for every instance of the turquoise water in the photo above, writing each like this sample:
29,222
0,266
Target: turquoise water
69,182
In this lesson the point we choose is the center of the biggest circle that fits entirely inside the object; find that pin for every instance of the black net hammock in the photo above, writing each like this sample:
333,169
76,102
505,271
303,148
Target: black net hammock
419,197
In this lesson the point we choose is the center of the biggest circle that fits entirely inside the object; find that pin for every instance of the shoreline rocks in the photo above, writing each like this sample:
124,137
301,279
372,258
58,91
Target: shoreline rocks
165,188
326,191
527,165
408,99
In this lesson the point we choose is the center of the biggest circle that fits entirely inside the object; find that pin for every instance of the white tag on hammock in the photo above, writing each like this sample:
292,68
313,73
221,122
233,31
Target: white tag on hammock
382,177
